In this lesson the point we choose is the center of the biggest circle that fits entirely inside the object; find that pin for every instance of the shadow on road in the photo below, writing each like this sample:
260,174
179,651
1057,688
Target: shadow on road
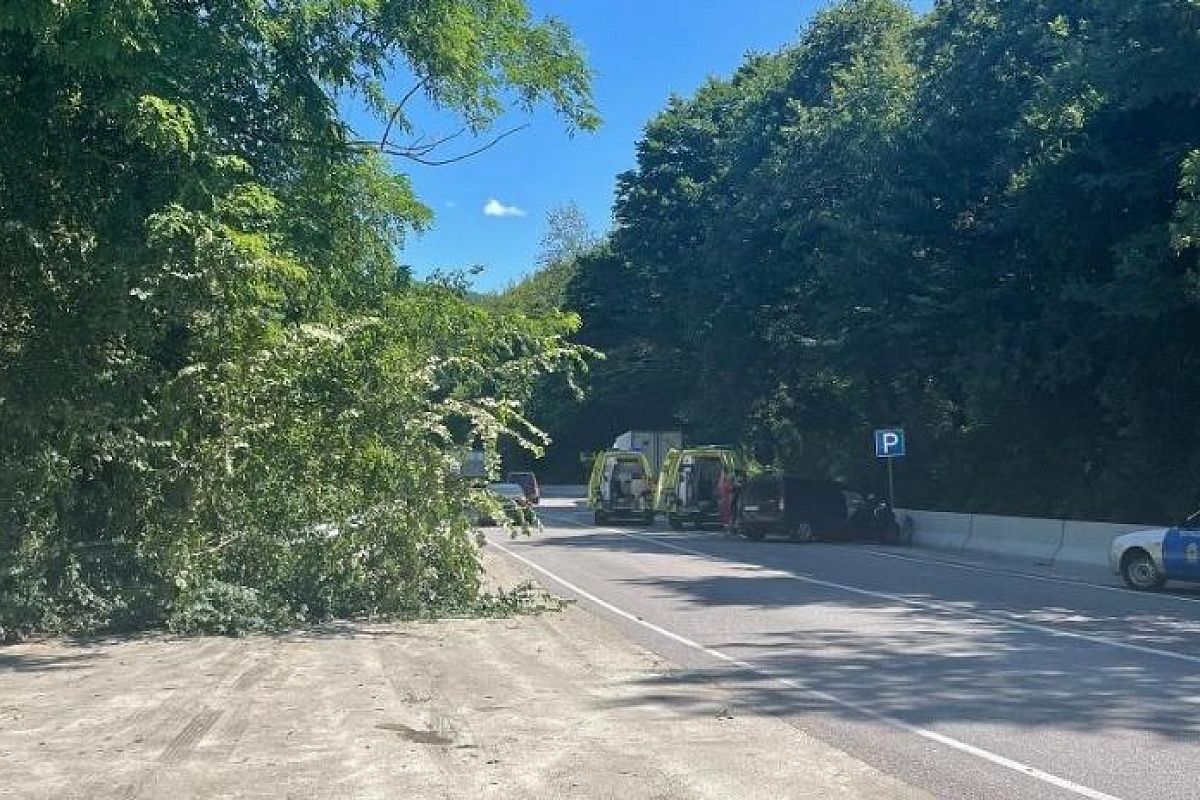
926,648
32,662
929,690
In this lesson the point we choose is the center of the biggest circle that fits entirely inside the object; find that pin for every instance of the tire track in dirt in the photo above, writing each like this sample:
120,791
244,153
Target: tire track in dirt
181,717
189,738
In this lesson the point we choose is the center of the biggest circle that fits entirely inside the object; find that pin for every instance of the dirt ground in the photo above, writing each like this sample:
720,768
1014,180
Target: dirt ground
551,706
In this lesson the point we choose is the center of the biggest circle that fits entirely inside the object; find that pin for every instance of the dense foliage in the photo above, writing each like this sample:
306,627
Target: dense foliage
557,398
222,404
981,223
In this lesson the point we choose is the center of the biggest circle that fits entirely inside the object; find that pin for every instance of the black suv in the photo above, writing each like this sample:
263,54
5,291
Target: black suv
805,509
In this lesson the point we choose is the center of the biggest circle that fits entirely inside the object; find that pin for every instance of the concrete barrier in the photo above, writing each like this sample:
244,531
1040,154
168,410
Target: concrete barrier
1087,543
1030,538
940,530
1050,542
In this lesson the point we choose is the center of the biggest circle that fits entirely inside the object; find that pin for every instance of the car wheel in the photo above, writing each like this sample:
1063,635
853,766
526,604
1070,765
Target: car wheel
803,532
601,518
675,522
648,519
756,534
1141,573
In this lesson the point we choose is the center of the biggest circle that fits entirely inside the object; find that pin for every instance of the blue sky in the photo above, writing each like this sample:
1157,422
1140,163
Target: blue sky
641,51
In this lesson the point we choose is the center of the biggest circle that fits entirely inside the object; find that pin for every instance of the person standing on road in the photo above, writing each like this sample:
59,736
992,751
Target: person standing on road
725,489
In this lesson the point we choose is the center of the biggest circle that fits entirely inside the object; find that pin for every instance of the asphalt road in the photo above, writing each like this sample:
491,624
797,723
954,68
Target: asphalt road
960,680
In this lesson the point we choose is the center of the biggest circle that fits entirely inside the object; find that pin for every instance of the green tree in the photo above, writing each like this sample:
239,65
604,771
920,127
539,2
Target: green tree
567,238
556,400
979,223
221,400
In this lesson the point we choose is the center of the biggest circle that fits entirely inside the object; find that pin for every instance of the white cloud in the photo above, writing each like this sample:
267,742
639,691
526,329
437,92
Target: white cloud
494,208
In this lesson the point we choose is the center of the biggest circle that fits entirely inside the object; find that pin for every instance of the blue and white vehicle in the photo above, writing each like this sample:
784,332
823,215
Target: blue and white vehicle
1148,559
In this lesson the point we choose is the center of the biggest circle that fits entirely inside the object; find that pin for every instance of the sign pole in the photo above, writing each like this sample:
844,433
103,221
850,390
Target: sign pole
891,485
890,445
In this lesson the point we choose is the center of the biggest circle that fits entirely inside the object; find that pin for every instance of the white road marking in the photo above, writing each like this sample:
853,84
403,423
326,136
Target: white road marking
925,604
1029,576
992,570
988,570
924,733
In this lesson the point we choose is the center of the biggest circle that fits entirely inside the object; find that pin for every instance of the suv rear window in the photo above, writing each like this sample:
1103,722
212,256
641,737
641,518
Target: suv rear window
819,498
761,490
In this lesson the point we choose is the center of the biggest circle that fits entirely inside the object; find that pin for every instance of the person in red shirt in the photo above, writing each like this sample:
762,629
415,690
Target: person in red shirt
725,487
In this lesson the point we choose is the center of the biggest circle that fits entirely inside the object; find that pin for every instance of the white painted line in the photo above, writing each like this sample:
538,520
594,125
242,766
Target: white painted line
948,608
1029,576
924,733
997,570
925,604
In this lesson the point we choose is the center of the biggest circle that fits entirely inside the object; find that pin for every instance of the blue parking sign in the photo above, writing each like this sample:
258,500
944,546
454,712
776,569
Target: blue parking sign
889,443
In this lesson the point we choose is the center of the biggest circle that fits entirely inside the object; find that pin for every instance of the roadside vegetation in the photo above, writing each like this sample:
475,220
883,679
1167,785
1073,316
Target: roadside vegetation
982,224
223,402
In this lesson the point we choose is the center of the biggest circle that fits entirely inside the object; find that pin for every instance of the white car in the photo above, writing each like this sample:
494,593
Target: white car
1148,559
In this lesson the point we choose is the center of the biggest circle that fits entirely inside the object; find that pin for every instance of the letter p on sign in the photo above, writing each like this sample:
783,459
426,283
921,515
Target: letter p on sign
889,443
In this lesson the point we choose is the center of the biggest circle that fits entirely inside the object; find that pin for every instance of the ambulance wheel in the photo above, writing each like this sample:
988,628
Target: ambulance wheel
1140,572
